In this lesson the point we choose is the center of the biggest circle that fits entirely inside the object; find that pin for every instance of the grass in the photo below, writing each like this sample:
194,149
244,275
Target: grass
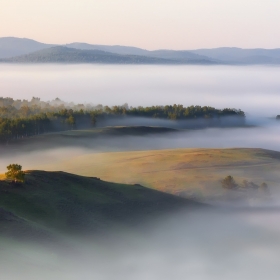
50,202
190,172
58,202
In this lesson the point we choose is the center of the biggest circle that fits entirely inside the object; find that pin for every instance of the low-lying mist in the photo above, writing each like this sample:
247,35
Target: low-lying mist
187,245
196,245
253,89
42,150
199,123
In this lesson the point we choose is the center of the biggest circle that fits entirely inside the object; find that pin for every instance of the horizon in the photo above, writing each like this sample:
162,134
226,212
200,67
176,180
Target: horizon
133,46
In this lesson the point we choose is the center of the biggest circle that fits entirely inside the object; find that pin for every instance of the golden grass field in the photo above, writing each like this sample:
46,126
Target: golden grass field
192,172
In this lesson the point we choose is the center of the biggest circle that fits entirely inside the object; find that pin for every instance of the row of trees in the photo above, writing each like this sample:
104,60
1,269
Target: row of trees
32,118
173,112
37,104
229,183
18,127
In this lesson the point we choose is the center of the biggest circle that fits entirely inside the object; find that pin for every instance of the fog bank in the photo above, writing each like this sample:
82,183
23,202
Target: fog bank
187,245
254,89
40,151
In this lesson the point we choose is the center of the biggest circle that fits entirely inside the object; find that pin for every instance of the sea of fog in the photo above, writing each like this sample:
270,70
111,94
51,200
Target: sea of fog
43,154
254,89
185,245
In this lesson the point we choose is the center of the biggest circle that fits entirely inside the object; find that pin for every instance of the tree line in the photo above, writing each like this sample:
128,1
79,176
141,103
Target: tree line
246,187
22,118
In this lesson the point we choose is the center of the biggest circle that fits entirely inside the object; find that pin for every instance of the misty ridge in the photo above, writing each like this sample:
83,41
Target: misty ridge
22,50
22,118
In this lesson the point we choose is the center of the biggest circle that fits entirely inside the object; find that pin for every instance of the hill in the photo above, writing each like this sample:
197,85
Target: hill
241,56
70,55
50,204
11,46
124,50
223,55
166,54
195,173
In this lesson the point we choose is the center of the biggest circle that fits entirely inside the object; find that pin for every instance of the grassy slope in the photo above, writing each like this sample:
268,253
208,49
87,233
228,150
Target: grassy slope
52,202
187,171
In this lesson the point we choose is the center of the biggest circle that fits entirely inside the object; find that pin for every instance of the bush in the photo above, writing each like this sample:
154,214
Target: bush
229,183
15,173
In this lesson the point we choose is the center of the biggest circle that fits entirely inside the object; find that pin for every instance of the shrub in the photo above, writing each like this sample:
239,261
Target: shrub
229,183
15,173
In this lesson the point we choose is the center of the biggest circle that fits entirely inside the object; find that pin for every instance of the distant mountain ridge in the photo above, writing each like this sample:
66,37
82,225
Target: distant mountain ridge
61,54
24,50
168,54
227,52
11,46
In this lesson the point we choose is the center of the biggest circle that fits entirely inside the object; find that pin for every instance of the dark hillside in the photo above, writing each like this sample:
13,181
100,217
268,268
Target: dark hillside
57,202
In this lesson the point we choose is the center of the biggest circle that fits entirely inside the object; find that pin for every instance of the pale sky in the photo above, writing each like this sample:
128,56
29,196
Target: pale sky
150,24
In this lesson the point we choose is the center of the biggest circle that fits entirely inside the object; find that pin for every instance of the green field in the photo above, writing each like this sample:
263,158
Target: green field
189,172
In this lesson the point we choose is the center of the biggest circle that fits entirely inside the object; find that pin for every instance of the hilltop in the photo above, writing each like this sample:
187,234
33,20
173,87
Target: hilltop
12,46
195,173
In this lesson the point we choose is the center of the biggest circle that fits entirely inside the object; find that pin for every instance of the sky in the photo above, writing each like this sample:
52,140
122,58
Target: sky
149,24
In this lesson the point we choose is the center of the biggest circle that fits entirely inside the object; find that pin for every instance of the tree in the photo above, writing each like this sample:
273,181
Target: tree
93,118
71,121
229,183
15,173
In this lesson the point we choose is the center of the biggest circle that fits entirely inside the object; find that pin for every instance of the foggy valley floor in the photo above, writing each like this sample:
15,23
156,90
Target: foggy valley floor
63,226
261,133
156,157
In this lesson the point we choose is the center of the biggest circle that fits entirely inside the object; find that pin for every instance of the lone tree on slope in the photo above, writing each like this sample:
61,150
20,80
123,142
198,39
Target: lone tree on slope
15,173
229,183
